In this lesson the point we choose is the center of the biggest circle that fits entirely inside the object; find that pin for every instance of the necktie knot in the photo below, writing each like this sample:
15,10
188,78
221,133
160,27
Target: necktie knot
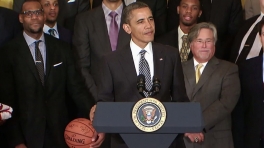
52,31
142,52
184,37
199,66
37,43
113,14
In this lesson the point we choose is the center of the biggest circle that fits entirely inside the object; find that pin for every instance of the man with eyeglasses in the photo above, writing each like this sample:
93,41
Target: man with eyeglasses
215,84
37,71
51,11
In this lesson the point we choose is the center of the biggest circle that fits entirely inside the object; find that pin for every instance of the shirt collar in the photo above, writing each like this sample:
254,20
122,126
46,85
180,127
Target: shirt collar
196,63
136,49
180,32
107,10
46,28
31,40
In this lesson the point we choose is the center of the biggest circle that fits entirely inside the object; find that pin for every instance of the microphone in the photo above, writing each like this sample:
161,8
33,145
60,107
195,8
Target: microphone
156,86
141,83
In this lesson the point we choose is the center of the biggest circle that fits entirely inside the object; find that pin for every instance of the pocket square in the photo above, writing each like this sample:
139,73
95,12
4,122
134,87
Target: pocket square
5,111
57,64
71,1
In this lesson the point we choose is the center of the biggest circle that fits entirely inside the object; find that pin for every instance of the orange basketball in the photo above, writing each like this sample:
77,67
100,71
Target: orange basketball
78,133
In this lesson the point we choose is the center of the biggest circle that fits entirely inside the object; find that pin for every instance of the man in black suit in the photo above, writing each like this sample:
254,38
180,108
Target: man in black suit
247,44
248,117
158,8
69,10
92,39
36,72
189,12
9,25
51,10
119,69
226,15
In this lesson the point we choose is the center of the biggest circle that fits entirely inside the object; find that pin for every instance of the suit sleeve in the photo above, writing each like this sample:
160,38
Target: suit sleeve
236,17
230,91
105,86
8,97
81,46
76,86
160,16
178,89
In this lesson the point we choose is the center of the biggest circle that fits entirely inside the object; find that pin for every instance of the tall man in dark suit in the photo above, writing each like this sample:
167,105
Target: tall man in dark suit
92,38
214,83
119,69
226,15
69,10
51,10
247,44
36,72
158,8
189,12
9,25
248,116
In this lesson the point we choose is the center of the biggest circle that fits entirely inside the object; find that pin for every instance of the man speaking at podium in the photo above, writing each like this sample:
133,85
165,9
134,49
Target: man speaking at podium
120,69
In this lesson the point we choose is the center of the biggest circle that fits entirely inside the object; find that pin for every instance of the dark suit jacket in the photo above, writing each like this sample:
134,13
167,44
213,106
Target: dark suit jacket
171,39
248,116
91,42
159,11
65,34
40,112
239,37
217,91
226,15
9,25
118,77
67,13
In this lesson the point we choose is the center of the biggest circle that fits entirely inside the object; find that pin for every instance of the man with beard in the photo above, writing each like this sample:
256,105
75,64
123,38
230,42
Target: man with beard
51,10
37,71
189,12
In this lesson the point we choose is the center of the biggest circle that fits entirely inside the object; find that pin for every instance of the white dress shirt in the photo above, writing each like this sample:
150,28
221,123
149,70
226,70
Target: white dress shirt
135,49
255,49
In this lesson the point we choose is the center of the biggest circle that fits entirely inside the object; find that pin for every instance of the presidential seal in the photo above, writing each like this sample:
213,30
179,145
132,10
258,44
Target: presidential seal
149,114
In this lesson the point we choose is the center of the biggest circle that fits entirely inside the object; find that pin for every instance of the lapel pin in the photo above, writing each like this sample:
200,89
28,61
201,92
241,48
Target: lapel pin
161,59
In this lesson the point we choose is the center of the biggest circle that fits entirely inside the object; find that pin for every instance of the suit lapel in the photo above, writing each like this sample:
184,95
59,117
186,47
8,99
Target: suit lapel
158,59
208,71
27,56
50,50
189,73
128,66
101,28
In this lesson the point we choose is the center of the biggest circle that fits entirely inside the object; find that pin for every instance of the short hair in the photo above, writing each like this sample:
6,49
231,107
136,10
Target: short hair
194,32
126,14
200,3
30,1
260,25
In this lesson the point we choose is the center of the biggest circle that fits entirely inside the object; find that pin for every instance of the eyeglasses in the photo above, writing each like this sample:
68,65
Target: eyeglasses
29,13
207,42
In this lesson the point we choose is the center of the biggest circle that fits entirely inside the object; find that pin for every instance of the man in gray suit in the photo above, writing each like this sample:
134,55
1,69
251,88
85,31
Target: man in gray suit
215,84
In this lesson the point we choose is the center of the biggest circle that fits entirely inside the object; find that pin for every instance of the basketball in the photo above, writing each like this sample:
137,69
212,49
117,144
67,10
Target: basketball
78,133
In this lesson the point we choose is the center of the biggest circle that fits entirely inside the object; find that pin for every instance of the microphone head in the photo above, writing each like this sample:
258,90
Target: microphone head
141,83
